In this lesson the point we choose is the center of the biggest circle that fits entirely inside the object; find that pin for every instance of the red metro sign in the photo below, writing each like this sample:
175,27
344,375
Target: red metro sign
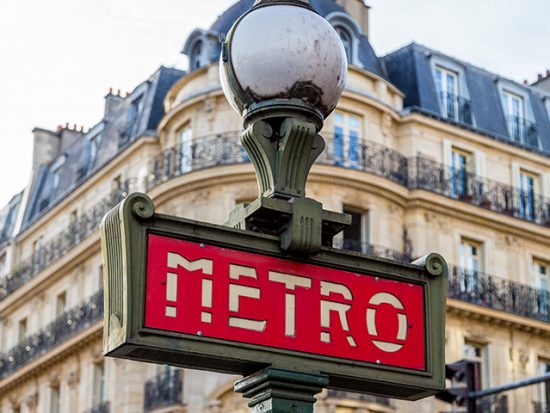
204,296
232,295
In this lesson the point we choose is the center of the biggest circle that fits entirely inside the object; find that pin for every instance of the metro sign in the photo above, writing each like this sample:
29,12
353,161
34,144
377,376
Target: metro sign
209,297
227,294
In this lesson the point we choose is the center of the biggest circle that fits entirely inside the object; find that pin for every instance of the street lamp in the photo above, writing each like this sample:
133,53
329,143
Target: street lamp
283,69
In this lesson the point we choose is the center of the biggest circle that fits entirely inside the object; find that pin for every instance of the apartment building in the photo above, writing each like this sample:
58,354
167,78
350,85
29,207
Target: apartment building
425,151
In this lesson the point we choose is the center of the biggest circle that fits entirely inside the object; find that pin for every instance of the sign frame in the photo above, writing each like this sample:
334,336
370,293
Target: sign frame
124,239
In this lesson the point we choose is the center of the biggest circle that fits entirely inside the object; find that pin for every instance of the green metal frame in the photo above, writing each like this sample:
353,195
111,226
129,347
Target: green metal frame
124,234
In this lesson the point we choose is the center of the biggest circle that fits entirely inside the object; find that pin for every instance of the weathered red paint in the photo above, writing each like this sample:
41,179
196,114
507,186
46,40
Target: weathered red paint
266,308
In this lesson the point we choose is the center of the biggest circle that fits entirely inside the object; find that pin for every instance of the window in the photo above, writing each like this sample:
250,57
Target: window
461,162
541,274
514,111
543,389
447,87
347,130
60,304
527,183
471,265
196,55
55,399
22,329
356,235
185,142
478,352
134,111
99,384
346,39
56,176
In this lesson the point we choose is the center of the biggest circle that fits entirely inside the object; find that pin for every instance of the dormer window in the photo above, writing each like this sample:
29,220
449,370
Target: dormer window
515,114
447,87
196,56
346,41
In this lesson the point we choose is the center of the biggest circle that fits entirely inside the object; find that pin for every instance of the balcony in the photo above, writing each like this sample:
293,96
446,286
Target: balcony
478,191
499,294
164,390
455,107
68,325
523,131
104,407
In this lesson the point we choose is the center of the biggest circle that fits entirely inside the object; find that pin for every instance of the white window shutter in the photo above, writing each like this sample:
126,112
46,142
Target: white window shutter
447,152
515,174
546,185
480,166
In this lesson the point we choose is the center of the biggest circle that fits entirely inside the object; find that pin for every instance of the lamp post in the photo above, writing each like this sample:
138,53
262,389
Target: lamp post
283,69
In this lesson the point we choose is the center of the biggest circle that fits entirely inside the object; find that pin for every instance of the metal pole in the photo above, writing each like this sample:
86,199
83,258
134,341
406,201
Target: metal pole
509,386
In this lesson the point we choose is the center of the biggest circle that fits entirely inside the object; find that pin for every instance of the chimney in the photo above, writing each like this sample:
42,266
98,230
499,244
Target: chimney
46,146
358,10
112,102
68,136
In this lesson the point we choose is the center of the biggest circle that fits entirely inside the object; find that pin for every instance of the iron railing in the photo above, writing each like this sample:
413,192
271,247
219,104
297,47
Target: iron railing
455,107
523,131
499,294
64,327
164,390
435,177
371,250
103,407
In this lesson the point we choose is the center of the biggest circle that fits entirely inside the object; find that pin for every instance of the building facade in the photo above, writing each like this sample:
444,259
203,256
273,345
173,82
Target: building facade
426,152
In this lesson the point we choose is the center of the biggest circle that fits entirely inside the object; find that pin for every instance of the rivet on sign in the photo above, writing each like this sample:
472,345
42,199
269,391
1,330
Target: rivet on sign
202,245
377,278
199,333
377,361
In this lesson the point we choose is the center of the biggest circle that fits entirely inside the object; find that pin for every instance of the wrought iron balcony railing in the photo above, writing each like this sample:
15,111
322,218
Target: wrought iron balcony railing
455,107
164,390
499,294
63,242
523,131
435,177
66,326
103,407
371,250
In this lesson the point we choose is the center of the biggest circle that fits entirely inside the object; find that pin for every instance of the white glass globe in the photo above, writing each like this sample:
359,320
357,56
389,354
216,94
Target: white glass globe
284,52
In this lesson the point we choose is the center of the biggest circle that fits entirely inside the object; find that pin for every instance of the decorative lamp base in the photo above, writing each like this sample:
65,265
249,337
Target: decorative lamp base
281,391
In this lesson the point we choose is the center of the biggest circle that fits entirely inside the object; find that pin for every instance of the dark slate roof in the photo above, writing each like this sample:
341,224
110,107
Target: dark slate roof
366,56
121,125
409,69
8,217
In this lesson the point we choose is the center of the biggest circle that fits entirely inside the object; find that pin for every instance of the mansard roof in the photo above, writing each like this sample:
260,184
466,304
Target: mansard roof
411,69
126,119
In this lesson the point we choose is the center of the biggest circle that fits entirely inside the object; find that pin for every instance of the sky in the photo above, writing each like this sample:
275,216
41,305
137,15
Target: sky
58,58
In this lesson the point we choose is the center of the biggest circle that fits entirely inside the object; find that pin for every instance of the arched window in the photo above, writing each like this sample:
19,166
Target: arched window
346,41
196,52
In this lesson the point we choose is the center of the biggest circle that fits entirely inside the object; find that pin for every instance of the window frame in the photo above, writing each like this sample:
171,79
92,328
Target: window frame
350,137
443,101
527,196
483,359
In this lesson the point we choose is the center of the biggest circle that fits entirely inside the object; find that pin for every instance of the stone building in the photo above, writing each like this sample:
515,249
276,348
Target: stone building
426,152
